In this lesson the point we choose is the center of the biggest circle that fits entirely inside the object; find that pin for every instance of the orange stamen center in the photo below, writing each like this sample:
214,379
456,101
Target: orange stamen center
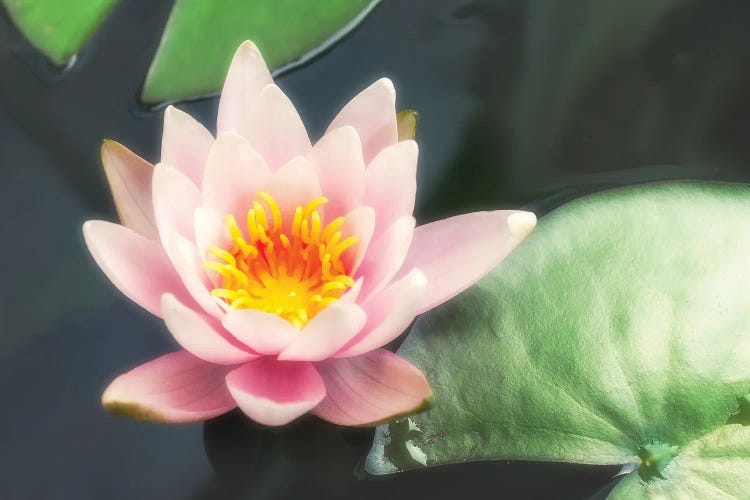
293,272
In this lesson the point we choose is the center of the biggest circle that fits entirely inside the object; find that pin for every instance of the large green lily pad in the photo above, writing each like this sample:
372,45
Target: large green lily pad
202,35
58,28
619,330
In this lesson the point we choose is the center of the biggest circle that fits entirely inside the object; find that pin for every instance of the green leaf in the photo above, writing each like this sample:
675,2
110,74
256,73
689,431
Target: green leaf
58,28
202,35
714,466
620,326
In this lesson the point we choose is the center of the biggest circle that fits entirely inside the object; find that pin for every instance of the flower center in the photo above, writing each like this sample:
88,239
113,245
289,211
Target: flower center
293,271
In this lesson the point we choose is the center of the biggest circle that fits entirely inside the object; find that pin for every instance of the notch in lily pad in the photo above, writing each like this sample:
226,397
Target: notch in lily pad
654,458
742,416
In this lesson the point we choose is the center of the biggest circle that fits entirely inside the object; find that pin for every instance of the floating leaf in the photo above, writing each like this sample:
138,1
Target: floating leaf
202,35
58,28
619,328
714,466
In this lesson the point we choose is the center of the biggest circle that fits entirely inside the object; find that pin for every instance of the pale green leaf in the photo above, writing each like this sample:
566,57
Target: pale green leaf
620,327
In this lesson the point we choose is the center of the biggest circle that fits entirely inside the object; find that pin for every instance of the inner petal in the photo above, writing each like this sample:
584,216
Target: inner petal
293,270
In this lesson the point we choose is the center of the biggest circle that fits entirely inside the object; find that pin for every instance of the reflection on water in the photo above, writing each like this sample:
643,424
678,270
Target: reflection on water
521,102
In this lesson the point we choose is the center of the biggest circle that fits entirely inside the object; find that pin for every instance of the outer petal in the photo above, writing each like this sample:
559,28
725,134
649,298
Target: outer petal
247,76
294,184
333,327
176,387
185,144
196,334
275,392
263,332
135,265
373,115
341,170
455,253
277,131
129,178
389,314
391,183
371,389
234,173
175,200
386,255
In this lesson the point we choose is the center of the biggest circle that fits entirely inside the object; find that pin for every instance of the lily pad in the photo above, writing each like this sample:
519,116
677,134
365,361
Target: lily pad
202,35
58,28
714,466
618,332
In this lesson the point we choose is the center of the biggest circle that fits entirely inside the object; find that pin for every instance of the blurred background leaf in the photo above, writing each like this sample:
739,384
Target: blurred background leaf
202,35
58,28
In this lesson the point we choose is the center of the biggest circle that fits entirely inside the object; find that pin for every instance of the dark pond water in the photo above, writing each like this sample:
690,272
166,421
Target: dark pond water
522,103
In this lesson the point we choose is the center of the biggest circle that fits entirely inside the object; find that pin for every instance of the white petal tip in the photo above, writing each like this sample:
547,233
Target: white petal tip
521,224
411,144
168,300
108,145
388,84
345,130
419,278
274,90
248,46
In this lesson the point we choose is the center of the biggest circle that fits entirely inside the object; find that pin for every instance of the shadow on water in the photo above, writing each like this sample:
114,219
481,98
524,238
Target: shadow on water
521,103
313,459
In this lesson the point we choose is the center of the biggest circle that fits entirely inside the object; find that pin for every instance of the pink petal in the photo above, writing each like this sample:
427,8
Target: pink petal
277,132
175,200
391,183
351,296
234,174
295,184
370,389
196,334
189,266
261,331
275,392
341,169
137,266
176,387
372,113
330,329
386,255
360,223
389,314
247,76
455,253
185,144
129,178
210,230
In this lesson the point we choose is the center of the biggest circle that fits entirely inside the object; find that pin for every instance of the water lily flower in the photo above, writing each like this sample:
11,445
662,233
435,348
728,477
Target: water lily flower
280,267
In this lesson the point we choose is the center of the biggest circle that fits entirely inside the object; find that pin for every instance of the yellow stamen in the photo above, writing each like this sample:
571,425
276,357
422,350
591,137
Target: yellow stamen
293,272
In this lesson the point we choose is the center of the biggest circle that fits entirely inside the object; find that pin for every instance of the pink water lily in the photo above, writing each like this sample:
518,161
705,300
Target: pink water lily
280,267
